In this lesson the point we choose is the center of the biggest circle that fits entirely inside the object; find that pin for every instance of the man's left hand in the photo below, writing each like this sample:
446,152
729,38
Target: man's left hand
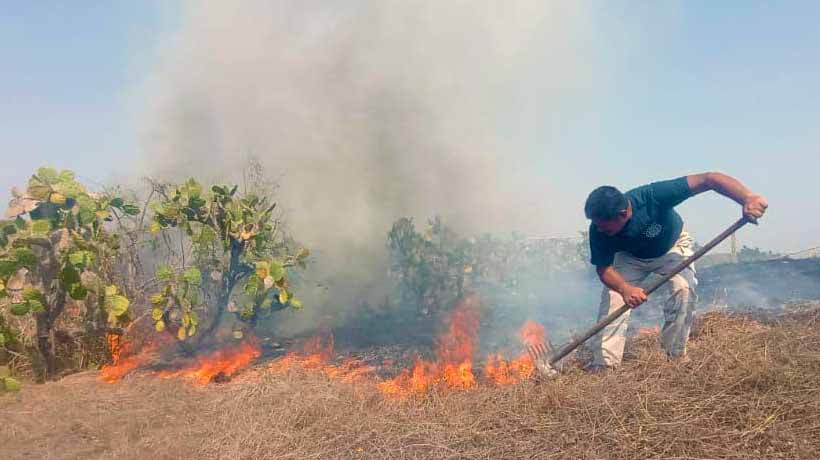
754,207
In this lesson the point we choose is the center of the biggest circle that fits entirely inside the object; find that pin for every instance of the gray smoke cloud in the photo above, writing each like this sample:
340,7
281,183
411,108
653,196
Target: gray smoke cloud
365,111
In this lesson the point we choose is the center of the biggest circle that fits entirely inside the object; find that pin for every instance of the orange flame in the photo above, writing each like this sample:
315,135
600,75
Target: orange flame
454,366
499,370
532,333
114,346
227,361
316,354
125,361
502,372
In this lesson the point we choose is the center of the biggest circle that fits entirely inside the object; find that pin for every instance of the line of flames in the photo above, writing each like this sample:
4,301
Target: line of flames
452,368
316,355
125,361
223,362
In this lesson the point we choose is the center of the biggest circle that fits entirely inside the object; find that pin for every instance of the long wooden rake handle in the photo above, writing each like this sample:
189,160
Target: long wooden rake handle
568,348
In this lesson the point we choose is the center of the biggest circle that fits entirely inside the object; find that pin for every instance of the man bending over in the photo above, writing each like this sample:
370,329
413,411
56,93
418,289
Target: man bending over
637,233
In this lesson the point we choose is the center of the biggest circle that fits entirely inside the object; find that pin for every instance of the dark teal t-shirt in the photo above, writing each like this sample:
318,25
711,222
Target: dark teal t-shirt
653,229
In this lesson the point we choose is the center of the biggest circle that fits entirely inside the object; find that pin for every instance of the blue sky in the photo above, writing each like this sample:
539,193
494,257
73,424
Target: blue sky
69,71
697,86
689,86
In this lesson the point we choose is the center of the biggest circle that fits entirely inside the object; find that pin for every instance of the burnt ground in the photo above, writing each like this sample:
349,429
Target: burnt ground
768,283
750,391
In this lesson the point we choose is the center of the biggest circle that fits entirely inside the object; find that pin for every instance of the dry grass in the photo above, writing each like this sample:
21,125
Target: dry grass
750,391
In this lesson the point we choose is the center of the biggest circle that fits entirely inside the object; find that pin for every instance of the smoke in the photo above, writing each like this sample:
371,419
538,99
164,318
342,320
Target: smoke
365,111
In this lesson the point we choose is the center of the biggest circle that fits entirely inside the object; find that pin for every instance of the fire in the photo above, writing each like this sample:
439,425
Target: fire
503,372
318,350
454,366
351,370
114,345
460,376
532,333
316,355
225,362
125,361
499,370
222,362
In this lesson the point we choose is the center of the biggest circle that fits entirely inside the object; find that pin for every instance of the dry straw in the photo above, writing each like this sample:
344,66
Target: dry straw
751,390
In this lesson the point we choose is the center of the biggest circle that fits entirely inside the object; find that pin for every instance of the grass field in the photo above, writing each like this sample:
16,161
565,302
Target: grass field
751,390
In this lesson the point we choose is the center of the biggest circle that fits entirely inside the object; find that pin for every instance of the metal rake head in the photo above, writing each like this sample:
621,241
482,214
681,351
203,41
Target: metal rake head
540,354
539,351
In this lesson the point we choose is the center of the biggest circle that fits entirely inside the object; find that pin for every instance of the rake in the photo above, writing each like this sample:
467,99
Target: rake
542,355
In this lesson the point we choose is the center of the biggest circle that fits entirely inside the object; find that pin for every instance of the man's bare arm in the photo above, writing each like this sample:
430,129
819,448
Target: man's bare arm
632,295
754,205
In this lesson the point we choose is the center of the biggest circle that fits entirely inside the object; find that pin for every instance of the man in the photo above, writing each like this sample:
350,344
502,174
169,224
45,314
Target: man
637,233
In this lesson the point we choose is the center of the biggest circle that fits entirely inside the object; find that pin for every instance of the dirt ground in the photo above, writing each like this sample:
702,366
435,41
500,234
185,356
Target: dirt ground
751,390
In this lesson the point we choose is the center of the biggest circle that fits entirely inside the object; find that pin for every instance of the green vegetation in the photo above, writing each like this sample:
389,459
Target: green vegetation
56,252
72,268
434,267
238,263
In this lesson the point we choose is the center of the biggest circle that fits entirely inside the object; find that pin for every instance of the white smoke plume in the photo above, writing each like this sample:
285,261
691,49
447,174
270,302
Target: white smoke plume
365,111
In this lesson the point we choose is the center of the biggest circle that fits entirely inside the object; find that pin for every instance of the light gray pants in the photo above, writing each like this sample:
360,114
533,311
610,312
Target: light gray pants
678,309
